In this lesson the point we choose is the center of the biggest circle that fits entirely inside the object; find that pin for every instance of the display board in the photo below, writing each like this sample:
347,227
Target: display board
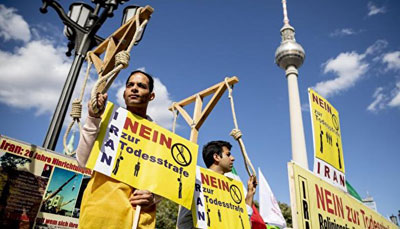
328,150
144,155
318,204
218,202
39,188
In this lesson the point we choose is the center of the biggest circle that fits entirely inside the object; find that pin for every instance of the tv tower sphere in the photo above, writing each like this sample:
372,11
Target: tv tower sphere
289,52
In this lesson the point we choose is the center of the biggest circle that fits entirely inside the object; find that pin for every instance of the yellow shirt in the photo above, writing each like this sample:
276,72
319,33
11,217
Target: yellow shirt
105,204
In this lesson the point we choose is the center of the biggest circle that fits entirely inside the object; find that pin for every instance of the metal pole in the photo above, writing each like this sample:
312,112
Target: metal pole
84,41
57,121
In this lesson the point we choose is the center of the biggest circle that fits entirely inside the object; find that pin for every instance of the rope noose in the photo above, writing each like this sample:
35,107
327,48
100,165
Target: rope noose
175,117
76,109
103,83
237,134
121,61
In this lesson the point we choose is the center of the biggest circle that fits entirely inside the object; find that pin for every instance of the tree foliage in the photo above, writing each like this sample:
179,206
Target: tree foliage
287,213
167,212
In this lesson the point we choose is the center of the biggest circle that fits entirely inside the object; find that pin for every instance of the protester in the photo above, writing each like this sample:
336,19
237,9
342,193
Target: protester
218,158
108,203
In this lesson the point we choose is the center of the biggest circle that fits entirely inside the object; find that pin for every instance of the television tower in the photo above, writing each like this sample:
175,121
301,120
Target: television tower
290,56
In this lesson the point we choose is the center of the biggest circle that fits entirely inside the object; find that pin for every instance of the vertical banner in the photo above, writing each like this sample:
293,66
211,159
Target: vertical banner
318,204
328,152
144,155
218,202
39,188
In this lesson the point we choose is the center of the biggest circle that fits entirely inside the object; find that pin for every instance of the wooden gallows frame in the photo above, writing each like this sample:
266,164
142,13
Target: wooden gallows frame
200,114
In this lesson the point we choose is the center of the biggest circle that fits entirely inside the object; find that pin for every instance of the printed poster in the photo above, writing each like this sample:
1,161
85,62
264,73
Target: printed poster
39,188
328,151
144,155
218,202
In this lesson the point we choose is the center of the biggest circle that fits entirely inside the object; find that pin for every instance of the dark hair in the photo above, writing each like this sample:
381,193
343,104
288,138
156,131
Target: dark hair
211,148
151,80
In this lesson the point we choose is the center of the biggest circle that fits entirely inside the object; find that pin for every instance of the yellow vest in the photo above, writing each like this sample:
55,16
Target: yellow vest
105,204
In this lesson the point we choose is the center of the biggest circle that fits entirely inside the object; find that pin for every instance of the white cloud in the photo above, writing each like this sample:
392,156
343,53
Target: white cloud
384,99
342,32
373,9
12,25
158,108
395,101
377,47
392,60
305,107
379,100
32,76
348,66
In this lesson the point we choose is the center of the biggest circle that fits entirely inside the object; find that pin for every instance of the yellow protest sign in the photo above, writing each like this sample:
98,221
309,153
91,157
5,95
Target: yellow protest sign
328,162
318,204
218,201
144,155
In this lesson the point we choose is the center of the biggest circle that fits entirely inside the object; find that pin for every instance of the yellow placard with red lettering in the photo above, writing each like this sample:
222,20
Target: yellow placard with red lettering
144,155
328,151
218,202
322,205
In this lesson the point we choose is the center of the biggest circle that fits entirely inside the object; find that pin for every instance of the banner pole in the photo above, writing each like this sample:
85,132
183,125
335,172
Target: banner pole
136,217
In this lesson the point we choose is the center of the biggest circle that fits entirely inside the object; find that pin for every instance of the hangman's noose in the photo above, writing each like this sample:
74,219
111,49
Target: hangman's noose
103,83
237,134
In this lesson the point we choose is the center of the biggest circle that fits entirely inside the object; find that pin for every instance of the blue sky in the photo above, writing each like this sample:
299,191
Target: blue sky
352,58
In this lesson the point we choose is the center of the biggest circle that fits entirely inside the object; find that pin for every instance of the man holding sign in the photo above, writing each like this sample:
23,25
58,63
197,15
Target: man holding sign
106,202
218,159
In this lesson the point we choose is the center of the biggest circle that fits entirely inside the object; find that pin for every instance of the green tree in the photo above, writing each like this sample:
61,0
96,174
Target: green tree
167,212
287,213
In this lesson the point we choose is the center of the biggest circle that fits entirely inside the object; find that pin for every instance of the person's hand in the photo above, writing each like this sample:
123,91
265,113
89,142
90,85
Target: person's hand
251,189
101,102
252,184
143,198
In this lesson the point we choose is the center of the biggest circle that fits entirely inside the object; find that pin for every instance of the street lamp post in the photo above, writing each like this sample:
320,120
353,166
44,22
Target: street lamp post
81,26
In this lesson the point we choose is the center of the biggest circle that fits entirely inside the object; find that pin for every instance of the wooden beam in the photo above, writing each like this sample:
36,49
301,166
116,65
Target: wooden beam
194,133
110,48
206,92
98,63
122,45
184,114
119,41
211,104
148,10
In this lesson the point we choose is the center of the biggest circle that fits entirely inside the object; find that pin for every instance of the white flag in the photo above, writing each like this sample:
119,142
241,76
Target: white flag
269,208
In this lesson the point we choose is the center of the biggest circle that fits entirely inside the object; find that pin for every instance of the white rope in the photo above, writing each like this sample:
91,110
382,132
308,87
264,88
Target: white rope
237,134
175,112
103,83
76,109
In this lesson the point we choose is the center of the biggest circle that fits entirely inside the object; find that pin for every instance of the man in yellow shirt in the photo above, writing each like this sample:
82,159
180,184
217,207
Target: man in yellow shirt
108,203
